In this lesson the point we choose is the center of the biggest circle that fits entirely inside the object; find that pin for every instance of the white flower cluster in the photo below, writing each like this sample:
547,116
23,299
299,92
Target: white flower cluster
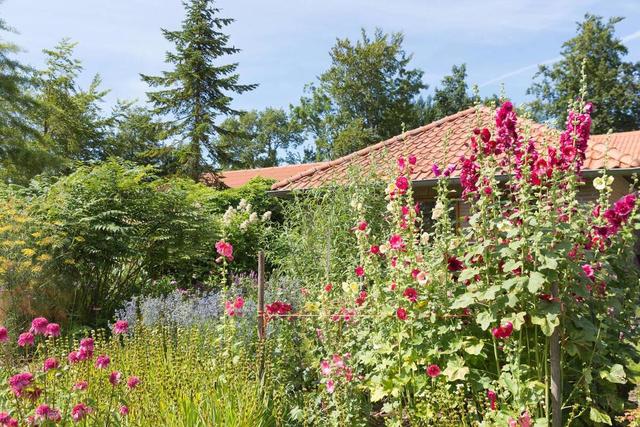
244,207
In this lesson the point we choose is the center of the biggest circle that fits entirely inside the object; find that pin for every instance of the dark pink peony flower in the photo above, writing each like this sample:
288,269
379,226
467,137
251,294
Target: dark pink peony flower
53,330
39,326
7,421
121,327
433,370
73,357
102,361
26,339
19,382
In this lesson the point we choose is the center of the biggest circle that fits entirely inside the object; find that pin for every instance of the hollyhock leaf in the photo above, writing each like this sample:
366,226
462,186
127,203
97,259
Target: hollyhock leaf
547,323
549,263
463,301
510,283
536,281
517,320
599,417
485,319
490,294
455,370
615,375
378,394
474,349
511,265
468,273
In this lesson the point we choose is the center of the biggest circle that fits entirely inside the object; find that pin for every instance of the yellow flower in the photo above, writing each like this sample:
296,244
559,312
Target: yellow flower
28,252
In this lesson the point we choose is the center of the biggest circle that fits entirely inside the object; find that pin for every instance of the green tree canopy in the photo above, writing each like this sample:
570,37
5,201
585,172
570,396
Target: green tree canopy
613,85
197,90
367,94
452,95
258,138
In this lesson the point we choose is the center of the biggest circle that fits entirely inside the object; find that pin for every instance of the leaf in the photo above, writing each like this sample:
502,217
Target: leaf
456,370
474,349
511,265
378,394
516,319
597,416
485,319
547,323
615,375
463,301
536,281
468,273
549,263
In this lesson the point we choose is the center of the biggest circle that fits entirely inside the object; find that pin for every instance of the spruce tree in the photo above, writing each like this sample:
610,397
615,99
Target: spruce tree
197,90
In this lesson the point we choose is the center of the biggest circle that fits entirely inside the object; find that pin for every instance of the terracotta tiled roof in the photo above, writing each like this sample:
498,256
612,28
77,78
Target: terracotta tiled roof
237,178
624,148
427,144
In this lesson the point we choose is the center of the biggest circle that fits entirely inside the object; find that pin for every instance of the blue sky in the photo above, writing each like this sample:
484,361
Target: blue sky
285,43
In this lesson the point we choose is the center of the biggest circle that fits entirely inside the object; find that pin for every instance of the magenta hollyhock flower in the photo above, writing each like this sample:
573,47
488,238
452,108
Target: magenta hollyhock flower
359,270
331,386
433,370
7,421
588,271
102,361
121,327
412,160
374,249
401,313
328,287
80,411
115,377
325,368
52,330
362,297
81,385
50,363
124,410
133,382
401,164
493,397
402,184
362,226
396,242
225,249
436,170
4,334
73,357
410,294
337,360
87,344
19,382
45,412
39,326
26,339
454,264
503,331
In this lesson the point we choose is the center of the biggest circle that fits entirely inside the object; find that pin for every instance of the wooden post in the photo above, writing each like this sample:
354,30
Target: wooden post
554,361
261,328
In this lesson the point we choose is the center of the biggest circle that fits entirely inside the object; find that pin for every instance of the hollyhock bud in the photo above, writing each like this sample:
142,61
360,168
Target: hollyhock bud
433,370
328,287
362,225
436,170
39,326
374,249
26,339
124,410
493,397
401,164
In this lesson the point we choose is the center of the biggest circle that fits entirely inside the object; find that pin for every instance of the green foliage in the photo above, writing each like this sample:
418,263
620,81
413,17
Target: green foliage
256,139
197,90
367,95
614,85
452,96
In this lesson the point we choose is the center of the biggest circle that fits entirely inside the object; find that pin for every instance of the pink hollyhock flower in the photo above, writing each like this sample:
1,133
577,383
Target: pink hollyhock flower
337,360
7,421
393,286
225,249
42,412
26,339
39,326
102,361
53,330
588,271
121,327
4,334
374,249
124,410
328,287
412,160
80,411
19,382
50,363
493,397
436,170
359,271
325,368
422,278
81,385
331,386
362,226
402,184
503,331
410,294
401,163
279,308
401,313
396,242
433,370
87,344
115,377
232,308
